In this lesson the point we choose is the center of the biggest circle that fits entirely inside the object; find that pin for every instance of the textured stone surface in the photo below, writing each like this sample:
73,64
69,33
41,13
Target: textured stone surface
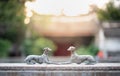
22,69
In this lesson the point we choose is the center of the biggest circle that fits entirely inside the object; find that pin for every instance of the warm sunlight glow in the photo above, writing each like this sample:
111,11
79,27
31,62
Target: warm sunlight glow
27,20
66,7
29,14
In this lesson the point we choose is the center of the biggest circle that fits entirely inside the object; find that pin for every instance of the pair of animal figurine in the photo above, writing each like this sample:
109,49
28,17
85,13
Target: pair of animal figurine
75,58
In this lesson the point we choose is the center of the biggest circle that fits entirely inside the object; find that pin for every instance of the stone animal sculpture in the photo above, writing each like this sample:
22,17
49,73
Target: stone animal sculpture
33,59
75,58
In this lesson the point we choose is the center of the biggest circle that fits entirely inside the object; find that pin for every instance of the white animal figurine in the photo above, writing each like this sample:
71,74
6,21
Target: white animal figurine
33,59
75,58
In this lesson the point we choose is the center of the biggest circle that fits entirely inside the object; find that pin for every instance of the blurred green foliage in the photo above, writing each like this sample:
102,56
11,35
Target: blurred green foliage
12,29
88,50
12,25
11,19
111,13
12,12
4,47
35,46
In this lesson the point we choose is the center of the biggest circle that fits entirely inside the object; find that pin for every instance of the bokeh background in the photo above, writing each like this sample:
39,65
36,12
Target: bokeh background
27,26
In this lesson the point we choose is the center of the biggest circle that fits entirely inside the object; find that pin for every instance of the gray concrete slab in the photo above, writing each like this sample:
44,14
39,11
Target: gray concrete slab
22,69
51,67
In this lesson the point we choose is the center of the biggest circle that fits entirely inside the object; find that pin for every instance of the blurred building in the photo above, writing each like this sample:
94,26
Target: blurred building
72,22
69,30
108,40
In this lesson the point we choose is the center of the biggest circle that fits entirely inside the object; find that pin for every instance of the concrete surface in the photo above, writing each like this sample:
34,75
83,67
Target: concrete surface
22,69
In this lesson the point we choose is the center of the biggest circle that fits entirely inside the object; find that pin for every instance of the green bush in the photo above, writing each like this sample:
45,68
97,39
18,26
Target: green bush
4,47
35,46
88,50
111,13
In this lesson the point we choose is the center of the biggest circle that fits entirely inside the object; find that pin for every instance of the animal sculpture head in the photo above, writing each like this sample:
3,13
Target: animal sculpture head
71,49
47,50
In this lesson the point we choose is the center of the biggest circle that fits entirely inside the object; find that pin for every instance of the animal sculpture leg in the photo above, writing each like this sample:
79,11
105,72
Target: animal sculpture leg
30,62
90,62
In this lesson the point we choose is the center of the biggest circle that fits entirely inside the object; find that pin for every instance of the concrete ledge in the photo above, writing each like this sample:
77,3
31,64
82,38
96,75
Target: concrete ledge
22,69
